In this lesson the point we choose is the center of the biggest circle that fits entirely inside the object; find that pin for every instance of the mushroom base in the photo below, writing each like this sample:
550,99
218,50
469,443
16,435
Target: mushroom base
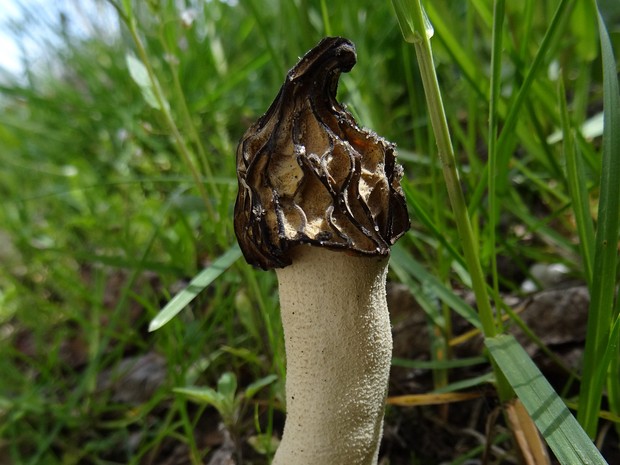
338,345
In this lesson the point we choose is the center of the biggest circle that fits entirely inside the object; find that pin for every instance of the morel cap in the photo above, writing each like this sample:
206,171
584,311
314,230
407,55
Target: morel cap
308,174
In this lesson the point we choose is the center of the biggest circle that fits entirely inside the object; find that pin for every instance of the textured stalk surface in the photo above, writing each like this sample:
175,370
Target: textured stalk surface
338,346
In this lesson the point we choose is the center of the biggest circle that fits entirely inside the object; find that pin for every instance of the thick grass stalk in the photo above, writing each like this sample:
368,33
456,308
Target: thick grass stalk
416,30
439,122
496,66
604,279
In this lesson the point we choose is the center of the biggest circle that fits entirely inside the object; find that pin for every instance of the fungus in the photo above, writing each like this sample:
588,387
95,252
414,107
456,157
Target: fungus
320,201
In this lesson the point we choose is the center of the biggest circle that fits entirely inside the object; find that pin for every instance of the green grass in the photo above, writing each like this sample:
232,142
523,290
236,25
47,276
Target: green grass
118,182
597,368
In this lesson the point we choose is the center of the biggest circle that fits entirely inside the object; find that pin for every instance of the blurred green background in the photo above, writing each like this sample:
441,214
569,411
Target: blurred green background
113,196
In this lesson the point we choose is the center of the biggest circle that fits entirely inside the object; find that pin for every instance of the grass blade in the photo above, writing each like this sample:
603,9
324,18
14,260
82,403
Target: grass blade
438,364
416,18
575,170
493,212
195,287
414,400
613,375
563,9
403,262
140,76
453,44
421,215
570,444
604,283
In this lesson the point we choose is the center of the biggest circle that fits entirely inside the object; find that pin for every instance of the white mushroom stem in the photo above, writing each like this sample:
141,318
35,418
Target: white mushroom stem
338,348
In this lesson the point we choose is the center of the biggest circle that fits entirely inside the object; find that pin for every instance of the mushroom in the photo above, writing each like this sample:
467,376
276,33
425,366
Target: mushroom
320,201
